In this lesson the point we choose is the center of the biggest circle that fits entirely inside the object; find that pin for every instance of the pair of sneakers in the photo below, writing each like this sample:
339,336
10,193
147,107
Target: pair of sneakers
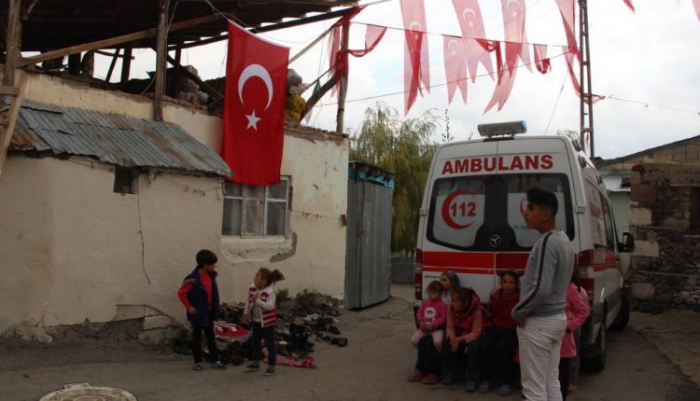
504,391
255,365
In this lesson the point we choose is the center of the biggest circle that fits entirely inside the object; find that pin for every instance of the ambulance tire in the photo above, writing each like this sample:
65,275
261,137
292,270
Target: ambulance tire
623,317
596,364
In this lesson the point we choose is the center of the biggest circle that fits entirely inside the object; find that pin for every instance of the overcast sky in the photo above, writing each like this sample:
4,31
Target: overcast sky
645,62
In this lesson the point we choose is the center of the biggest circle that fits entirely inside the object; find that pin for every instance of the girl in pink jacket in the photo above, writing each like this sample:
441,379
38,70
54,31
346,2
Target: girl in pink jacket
577,309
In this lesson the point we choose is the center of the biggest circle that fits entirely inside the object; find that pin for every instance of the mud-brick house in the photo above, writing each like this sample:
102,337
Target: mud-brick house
663,185
108,187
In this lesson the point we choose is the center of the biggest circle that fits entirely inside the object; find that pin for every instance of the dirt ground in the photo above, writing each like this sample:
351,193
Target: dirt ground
676,334
658,353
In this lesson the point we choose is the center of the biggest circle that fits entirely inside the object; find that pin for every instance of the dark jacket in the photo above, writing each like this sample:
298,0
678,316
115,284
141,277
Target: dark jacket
198,298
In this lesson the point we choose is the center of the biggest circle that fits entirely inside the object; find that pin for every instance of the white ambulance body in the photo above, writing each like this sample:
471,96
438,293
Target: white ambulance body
471,222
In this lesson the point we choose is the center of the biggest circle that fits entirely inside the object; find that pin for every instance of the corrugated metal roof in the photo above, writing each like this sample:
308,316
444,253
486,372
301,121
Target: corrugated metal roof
112,138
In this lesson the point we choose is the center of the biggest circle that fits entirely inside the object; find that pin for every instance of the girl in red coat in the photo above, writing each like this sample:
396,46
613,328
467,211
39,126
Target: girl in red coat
577,309
500,342
261,310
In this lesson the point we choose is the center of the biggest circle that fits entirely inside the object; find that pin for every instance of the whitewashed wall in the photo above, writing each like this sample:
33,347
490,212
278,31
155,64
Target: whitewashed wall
72,249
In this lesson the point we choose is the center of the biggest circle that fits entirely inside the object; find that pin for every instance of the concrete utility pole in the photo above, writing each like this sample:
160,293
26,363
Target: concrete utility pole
585,81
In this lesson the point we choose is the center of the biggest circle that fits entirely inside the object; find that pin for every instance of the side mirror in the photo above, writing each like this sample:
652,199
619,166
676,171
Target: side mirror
627,244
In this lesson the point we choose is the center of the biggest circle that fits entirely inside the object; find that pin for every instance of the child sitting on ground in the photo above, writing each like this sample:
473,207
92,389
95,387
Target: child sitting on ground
499,344
450,282
464,327
430,318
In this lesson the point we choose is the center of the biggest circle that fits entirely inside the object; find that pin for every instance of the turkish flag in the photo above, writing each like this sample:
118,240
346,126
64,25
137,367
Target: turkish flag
568,16
696,4
542,63
514,24
455,66
416,55
471,24
629,4
256,81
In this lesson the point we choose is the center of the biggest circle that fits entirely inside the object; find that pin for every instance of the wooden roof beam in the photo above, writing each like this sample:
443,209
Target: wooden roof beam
150,33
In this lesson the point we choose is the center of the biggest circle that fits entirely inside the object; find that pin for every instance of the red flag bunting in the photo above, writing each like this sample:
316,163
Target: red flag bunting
569,56
455,66
472,26
373,36
514,23
338,62
416,55
256,80
542,63
334,46
696,4
629,4
568,16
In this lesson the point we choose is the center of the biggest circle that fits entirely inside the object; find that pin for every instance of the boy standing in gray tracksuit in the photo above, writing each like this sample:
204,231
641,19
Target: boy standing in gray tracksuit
540,312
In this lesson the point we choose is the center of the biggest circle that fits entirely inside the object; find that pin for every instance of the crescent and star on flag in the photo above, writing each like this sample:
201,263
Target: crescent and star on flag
255,70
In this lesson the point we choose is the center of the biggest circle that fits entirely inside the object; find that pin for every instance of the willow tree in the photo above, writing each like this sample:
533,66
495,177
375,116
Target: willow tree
404,148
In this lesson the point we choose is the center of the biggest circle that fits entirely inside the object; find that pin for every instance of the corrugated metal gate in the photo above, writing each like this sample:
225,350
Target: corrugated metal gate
368,258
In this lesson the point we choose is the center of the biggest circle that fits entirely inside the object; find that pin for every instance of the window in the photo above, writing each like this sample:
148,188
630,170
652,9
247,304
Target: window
601,224
468,212
125,180
256,211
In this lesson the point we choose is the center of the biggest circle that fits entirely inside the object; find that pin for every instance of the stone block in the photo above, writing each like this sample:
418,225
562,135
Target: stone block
640,216
125,312
643,193
646,248
643,291
37,334
673,222
157,322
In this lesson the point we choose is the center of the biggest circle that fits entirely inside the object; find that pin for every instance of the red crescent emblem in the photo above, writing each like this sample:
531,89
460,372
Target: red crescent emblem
446,210
522,206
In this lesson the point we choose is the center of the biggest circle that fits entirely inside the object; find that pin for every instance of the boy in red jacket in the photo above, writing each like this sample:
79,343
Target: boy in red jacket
200,295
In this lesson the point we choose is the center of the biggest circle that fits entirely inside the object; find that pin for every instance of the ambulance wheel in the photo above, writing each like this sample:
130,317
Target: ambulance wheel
623,317
597,363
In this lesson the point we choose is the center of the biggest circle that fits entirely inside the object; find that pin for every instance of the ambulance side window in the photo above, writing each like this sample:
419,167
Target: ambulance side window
599,217
609,230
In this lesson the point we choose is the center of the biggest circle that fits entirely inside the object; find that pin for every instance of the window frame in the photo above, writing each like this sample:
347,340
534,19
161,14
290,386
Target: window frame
489,183
248,195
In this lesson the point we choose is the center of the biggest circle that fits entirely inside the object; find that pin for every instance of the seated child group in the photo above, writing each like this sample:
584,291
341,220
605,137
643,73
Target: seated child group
457,335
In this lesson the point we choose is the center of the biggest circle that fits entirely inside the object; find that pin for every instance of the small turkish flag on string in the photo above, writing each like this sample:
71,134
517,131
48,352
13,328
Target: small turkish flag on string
696,4
629,4
471,24
568,16
455,66
542,63
416,56
514,25
256,81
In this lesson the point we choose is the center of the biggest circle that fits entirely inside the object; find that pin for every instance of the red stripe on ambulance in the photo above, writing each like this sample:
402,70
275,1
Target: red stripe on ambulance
474,262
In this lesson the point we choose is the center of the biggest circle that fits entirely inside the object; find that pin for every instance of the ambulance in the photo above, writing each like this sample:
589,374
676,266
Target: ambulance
471,220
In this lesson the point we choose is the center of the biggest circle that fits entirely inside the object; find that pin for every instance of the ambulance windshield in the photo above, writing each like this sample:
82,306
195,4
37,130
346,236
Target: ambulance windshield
485,212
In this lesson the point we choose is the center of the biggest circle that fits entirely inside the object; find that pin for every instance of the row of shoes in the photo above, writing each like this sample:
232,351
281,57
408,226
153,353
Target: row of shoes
450,378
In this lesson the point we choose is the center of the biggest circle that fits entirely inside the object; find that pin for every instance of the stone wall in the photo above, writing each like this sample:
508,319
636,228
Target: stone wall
664,218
